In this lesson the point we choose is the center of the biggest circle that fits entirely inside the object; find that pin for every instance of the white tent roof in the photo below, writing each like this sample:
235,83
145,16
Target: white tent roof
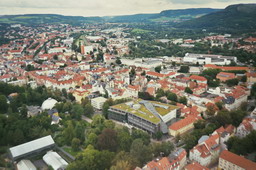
48,104
31,146
55,160
25,165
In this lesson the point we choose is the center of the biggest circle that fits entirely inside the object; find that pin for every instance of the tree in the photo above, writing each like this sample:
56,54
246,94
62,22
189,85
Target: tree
24,111
91,139
68,133
138,149
105,108
162,149
188,90
183,69
132,72
3,104
124,139
125,156
158,69
232,82
244,79
171,96
77,111
124,165
139,134
253,91
183,100
118,61
75,144
107,140
210,111
88,109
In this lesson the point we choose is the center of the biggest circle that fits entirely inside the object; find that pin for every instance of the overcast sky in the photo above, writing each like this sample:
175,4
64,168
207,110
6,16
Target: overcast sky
106,7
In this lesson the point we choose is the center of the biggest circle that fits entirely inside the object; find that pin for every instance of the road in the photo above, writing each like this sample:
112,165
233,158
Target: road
87,119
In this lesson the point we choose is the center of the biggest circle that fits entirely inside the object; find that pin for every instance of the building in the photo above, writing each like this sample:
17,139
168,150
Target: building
150,116
229,161
195,166
49,104
158,164
208,59
98,102
223,76
207,151
55,160
32,147
247,125
182,126
25,165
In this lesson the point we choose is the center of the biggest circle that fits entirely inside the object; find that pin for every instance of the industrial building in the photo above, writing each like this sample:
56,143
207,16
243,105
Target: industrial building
31,148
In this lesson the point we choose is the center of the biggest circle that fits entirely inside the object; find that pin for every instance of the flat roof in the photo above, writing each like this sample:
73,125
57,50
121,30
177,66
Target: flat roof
143,112
31,146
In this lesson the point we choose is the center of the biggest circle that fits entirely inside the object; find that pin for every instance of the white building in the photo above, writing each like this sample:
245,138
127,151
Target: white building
55,160
208,59
25,165
247,125
98,102
49,104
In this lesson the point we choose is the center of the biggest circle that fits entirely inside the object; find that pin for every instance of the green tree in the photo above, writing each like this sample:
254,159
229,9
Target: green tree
158,69
188,90
88,109
232,82
183,69
75,144
183,100
3,104
162,149
124,139
138,149
118,61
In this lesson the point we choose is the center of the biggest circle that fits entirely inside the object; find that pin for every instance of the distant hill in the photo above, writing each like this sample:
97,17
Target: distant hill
240,16
164,16
36,19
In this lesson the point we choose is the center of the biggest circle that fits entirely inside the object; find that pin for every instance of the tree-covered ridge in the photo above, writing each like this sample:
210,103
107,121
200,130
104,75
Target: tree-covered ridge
37,19
240,16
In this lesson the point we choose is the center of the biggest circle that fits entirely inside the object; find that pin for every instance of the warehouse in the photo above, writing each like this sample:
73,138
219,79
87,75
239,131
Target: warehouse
32,147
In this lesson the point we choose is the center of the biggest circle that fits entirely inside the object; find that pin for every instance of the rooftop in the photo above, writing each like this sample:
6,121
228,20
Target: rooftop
140,110
237,160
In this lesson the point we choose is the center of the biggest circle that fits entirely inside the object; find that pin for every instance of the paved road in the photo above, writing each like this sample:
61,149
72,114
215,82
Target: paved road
87,119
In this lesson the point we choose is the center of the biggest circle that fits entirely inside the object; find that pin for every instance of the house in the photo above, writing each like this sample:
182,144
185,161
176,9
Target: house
225,134
247,125
225,68
195,166
207,151
198,79
223,76
182,126
229,160
251,78
98,102
158,164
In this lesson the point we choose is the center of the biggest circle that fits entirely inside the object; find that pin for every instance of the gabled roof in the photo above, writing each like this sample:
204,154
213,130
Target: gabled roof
238,160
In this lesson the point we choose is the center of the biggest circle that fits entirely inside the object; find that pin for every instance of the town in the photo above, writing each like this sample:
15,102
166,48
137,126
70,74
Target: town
87,97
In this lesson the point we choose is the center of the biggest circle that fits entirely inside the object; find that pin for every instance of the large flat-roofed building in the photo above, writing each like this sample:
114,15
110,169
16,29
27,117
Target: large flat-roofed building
208,59
32,147
150,116
98,102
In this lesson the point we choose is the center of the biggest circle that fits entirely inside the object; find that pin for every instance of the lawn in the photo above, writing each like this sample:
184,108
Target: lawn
70,151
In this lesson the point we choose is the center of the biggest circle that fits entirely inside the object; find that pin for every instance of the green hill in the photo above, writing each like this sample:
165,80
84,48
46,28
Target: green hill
240,16
179,15
36,19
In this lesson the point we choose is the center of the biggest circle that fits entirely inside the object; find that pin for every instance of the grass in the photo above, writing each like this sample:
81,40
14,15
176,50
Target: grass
139,31
70,151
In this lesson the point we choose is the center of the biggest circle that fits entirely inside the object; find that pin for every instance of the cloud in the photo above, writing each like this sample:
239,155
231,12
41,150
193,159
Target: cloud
105,7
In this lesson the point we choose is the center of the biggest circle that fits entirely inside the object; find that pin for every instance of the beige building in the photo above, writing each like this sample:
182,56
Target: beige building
98,102
231,161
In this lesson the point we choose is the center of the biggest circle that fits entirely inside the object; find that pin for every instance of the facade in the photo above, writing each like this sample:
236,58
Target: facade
247,125
98,102
208,59
183,126
150,116
207,151
229,160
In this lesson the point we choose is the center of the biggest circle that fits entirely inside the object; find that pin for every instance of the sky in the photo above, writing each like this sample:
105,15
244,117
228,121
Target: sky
106,7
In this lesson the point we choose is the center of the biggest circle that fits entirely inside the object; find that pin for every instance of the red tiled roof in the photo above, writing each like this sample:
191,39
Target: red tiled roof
199,78
152,73
225,67
195,166
238,160
184,122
